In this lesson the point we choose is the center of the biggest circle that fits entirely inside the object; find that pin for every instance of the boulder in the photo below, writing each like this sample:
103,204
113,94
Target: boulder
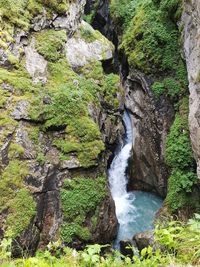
80,51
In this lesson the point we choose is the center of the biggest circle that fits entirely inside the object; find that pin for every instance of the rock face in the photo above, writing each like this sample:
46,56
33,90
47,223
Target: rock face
151,122
191,38
28,145
79,52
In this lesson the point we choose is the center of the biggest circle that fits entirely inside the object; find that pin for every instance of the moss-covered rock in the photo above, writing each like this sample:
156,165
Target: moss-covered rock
51,121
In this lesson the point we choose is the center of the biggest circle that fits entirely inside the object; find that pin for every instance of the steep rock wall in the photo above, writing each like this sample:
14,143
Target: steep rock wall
151,124
191,39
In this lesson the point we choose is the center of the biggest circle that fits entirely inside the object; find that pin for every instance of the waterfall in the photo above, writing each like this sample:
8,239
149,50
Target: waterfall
135,210
118,181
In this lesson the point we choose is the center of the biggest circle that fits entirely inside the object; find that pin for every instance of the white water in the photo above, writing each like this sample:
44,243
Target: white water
135,210
118,181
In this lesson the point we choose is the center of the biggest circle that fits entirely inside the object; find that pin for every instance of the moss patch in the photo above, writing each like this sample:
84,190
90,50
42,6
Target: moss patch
11,180
22,208
50,44
80,197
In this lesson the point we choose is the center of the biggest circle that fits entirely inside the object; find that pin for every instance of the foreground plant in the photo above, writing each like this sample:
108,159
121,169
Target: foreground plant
176,242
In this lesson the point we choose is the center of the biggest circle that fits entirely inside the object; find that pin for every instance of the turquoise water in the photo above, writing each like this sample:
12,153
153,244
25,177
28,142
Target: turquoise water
140,216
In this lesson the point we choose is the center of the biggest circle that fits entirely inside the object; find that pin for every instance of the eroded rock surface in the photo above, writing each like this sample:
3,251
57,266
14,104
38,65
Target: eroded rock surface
150,126
191,38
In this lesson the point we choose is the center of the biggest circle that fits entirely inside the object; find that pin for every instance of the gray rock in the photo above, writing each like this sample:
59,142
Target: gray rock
3,57
71,20
191,36
40,22
145,239
150,127
73,163
21,138
21,110
36,65
80,51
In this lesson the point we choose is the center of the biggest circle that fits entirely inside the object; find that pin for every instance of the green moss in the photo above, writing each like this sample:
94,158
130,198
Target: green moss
4,97
11,180
59,6
18,78
90,193
88,156
15,151
50,44
82,137
41,158
22,208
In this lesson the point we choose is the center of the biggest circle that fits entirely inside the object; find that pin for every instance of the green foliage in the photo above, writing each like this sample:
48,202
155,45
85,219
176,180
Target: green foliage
22,208
178,146
15,151
181,240
41,158
21,12
180,186
87,34
89,193
14,197
122,11
178,243
151,41
59,6
50,43
179,157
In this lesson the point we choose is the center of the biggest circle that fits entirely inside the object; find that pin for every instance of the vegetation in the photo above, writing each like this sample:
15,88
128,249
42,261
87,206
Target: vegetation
176,243
50,44
90,193
150,39
179,157
22,209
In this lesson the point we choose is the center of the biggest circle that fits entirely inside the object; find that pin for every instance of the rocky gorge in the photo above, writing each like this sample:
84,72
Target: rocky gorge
65,79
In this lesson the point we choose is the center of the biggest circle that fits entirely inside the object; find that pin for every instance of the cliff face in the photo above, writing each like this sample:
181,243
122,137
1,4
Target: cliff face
58,122
191,38
151,123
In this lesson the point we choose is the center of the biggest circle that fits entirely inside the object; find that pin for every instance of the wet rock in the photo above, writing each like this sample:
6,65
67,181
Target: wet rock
126,248
107,226
151,124
144,239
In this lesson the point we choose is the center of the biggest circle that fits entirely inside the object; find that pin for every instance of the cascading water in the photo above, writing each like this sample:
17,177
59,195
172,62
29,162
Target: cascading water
135,210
